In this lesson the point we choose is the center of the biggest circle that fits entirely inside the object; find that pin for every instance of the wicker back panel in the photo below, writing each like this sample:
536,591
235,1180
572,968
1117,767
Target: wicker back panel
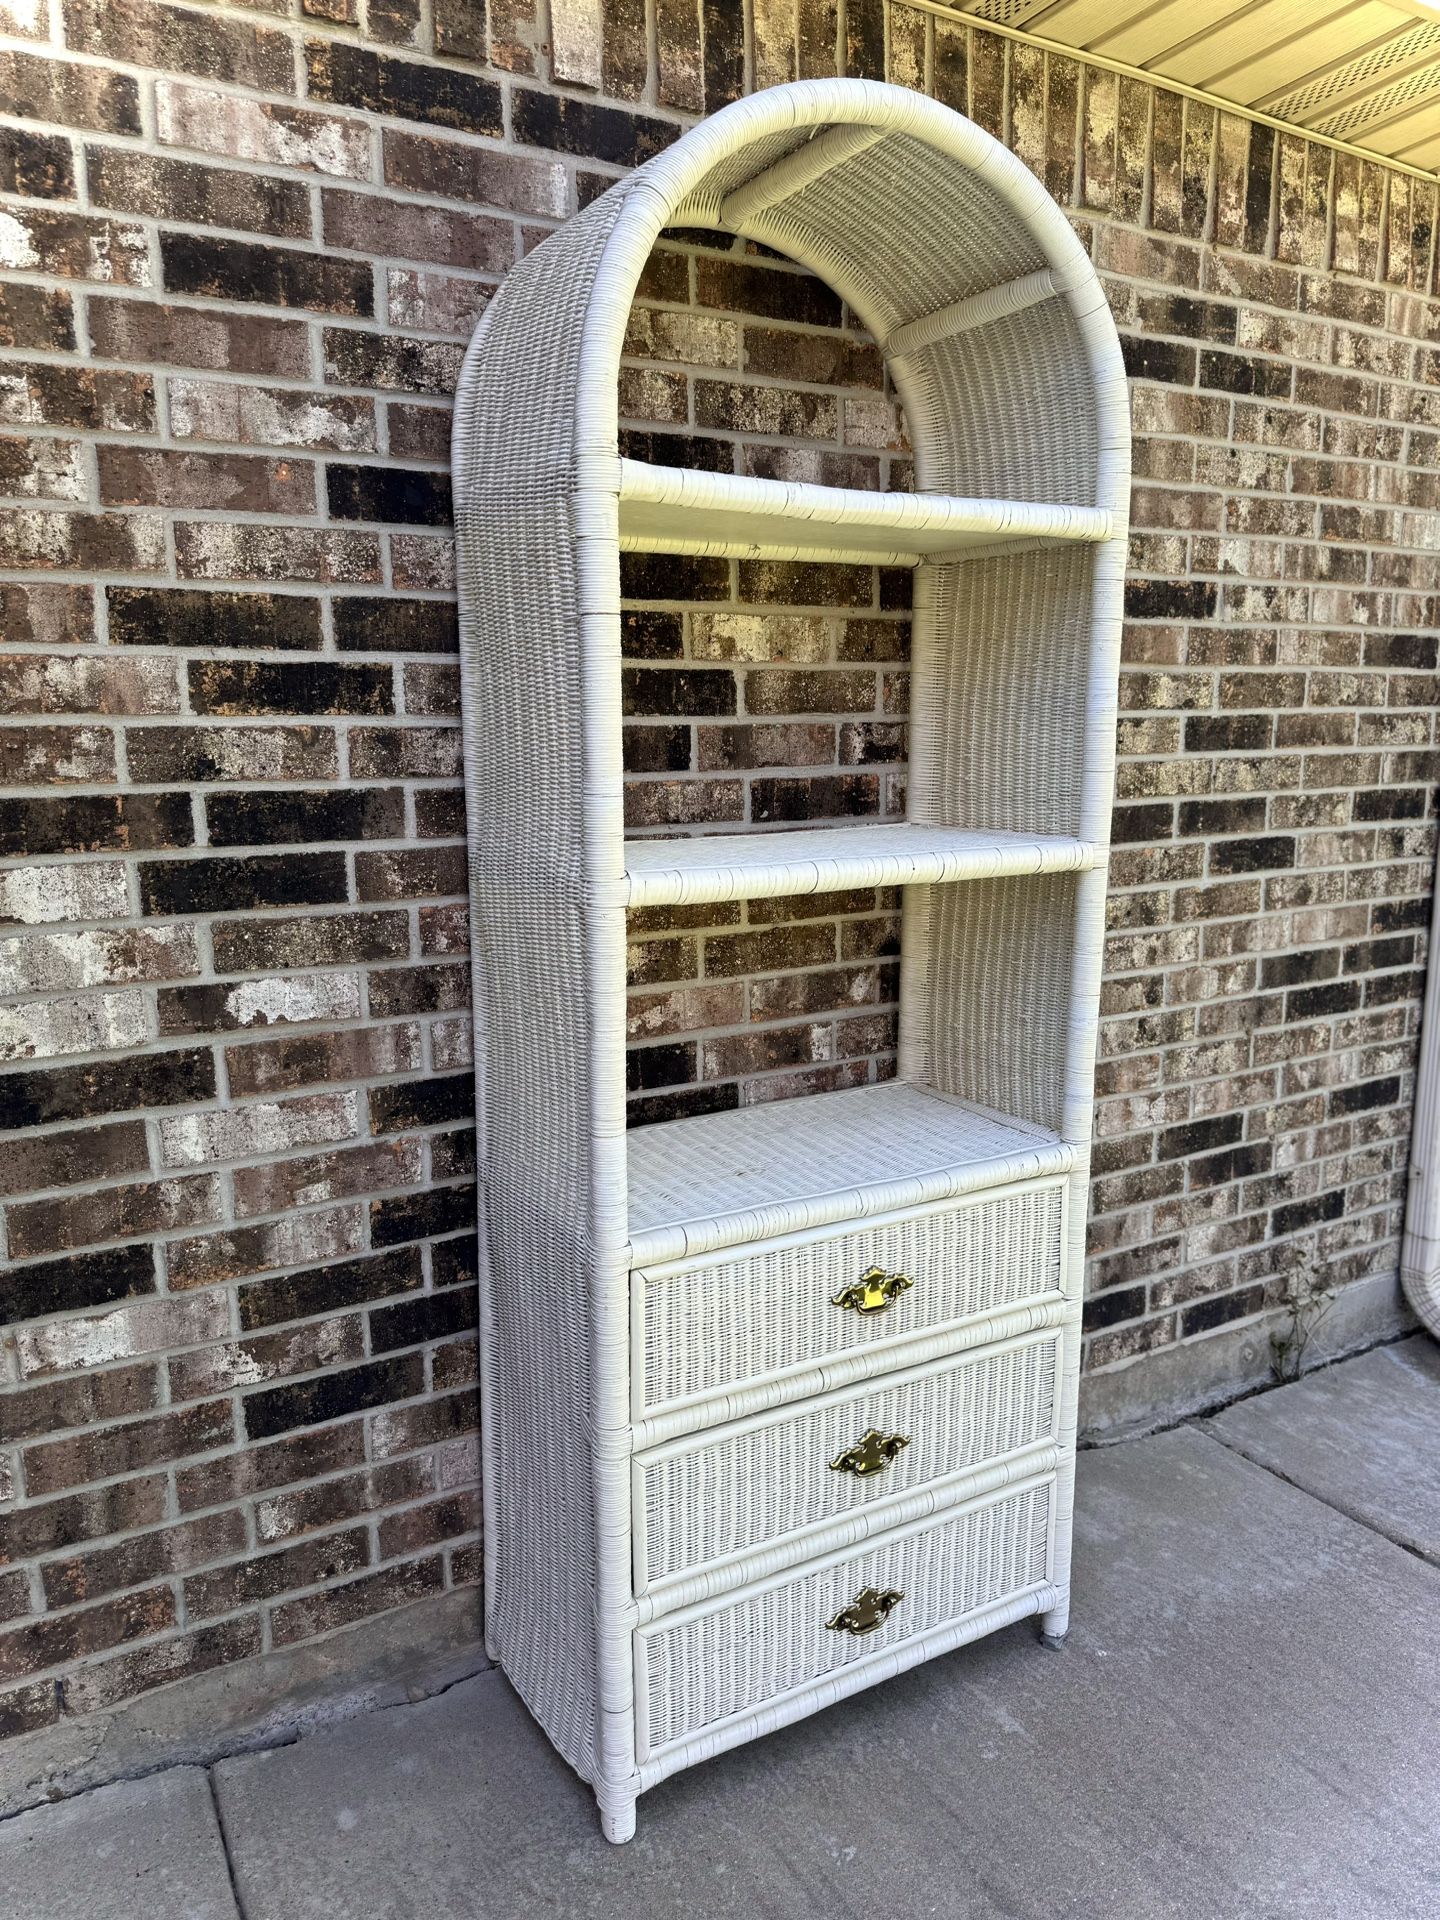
1018,407
520,642
997,978
743,1655
1005,690
741,1490
710,1328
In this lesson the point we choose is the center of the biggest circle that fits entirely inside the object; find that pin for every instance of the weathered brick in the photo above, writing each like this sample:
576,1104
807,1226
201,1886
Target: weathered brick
82,542
61,1286
148,1556
181,39
42,87
36,318
245,483
279,1000
178,1077
265,1576
207,1259
114,1214
356,1599
326,1176
57,1640
197,195
55,1466
351,76
458,170
88,1023
75,1157
77,683
391,362
149,333
271,276
221,885
329,1289
148,1326
262,130
229,753
248,415
211,550
123,1505
192,1139
107,1682
308,1403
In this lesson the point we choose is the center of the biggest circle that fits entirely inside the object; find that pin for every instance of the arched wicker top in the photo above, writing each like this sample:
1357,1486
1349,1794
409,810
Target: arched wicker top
943,244
909,212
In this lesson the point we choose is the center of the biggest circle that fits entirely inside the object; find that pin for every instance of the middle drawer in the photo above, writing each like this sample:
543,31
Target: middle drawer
709,1496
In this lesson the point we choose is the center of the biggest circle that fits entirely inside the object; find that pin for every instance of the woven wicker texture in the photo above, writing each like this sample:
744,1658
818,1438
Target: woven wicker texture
815,860
1008,717
682,510
1011,379
521,652
740,1655
715,1327
739,1490
784,1162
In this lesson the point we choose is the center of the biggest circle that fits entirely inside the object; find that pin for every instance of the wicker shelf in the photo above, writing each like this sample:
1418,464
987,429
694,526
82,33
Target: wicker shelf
728,1177
740,866
679,510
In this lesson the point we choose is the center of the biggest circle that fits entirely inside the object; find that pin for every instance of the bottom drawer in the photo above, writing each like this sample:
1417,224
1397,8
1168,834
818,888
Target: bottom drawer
703,1665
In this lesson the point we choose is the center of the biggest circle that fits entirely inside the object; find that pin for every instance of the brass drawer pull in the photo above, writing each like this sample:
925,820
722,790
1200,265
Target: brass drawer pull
874,1291
866,1612
873,1452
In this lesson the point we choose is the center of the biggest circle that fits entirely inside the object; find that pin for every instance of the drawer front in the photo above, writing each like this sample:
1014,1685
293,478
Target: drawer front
737,1487
704,1669
711,1327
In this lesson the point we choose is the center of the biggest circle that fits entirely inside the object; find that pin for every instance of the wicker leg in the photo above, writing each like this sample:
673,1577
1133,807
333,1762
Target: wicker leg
1054,1626
617,1818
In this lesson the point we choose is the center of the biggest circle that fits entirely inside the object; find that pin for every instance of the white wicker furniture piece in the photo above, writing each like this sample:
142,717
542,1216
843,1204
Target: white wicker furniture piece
673,1335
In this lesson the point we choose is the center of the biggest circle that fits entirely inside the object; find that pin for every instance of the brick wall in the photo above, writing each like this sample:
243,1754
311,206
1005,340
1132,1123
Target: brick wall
243,246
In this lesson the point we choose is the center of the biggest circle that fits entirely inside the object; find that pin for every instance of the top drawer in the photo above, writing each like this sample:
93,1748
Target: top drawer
711,1326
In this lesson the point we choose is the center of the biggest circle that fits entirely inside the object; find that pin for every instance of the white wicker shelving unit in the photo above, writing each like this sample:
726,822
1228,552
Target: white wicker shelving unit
781,1401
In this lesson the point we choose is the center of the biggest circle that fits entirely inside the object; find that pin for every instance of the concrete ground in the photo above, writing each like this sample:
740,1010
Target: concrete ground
1243,1726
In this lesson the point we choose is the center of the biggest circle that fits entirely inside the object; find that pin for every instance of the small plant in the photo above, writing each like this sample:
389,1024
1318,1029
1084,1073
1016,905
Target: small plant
1308,1300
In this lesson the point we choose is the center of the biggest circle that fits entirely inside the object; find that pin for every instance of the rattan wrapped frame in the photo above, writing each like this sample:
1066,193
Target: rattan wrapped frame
960,262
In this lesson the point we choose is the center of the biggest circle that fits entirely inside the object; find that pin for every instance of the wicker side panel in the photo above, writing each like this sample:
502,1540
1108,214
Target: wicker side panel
742,1490
740,1656
521,663
997,976
712,1327
1005,688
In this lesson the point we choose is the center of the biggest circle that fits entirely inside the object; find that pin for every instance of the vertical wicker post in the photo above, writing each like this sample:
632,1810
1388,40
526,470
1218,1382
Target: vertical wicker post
858,1314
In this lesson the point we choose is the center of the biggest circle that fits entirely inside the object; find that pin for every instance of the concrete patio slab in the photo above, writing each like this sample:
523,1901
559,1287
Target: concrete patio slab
142,1850
1242,1725
1363,1437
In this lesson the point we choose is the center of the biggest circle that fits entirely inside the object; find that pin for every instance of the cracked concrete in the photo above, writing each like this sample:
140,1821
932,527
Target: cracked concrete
1242,1724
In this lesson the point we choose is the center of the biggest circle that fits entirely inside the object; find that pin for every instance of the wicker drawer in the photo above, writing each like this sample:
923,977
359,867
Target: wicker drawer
697,1668
723,1492
705,1328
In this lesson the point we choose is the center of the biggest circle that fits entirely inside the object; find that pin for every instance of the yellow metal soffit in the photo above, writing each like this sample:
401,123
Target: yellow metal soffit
1363,75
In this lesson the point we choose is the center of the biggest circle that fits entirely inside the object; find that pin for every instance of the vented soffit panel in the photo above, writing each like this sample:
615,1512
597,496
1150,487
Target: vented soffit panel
1365,73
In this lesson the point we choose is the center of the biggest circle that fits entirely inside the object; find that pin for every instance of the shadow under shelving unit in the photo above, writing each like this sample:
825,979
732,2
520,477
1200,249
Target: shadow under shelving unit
676,1328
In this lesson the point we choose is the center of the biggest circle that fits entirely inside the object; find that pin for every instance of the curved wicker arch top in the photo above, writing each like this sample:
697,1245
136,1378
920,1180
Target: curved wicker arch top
965,217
